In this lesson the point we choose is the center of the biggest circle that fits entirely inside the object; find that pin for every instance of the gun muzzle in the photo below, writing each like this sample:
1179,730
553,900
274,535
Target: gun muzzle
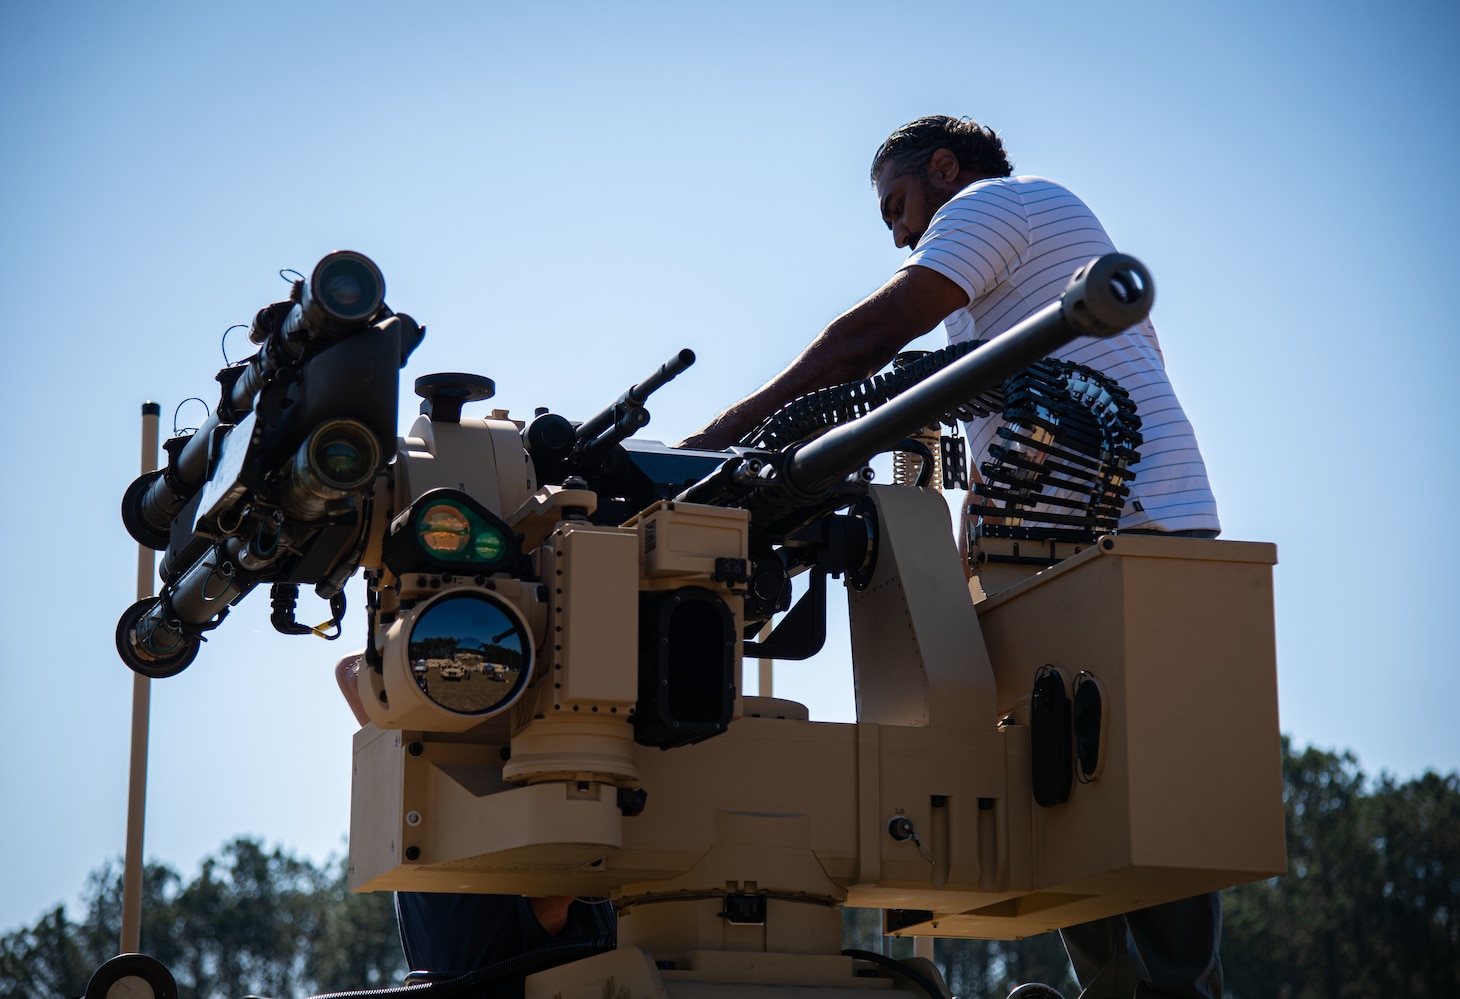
619,421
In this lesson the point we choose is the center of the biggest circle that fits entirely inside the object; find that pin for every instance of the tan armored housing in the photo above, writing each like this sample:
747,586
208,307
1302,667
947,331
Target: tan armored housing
923,807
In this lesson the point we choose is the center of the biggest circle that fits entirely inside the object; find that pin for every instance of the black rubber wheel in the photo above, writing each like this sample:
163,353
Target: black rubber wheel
147,972
153,667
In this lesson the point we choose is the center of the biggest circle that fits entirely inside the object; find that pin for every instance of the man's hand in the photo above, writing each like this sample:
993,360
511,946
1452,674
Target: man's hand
720,433
855,345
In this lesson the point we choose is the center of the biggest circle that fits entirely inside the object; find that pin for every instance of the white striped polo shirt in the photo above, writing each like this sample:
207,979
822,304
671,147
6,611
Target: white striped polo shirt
1012,244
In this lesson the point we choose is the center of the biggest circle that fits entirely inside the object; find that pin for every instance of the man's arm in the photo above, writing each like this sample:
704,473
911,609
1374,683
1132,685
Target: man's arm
856,344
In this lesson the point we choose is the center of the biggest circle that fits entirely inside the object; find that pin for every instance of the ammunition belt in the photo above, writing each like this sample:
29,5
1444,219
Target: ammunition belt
1064,454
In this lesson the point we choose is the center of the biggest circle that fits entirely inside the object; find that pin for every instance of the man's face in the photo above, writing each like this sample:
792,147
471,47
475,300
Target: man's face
908,202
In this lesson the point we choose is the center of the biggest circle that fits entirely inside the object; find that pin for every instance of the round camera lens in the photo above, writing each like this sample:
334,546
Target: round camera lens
343,455
348,286
468,654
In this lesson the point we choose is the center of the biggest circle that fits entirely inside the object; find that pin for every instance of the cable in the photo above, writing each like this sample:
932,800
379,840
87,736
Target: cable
223,343
188,430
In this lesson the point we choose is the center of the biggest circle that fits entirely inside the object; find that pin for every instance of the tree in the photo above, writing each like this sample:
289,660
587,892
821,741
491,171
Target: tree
1415,831
44,960
1370,901
252,921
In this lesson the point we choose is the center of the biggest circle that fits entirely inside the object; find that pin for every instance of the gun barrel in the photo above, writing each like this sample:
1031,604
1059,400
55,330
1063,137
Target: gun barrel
633,399
671,368
1109,294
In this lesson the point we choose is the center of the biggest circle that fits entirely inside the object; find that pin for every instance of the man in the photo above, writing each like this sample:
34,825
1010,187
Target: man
988,250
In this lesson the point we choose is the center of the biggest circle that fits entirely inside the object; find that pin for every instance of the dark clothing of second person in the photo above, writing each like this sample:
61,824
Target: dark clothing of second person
1163,952
453,934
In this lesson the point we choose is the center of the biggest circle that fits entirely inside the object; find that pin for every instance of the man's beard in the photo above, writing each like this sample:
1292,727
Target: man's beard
933,199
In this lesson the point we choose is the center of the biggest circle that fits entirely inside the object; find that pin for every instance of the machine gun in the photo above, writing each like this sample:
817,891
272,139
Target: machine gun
557,620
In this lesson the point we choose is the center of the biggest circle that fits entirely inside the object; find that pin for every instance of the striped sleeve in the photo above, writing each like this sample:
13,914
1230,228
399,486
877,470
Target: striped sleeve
975,241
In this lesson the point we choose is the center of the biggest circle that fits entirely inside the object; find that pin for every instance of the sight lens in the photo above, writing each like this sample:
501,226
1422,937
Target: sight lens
343,455
469,654
449,529
348,286
445,529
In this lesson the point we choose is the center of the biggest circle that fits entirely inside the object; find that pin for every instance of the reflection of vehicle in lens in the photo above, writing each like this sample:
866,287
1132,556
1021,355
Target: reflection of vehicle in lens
476,649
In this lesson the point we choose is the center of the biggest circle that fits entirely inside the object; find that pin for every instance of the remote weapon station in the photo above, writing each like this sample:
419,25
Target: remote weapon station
558,615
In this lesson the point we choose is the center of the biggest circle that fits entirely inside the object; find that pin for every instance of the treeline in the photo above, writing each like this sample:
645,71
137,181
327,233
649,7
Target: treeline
251,922
1371,902
1370,907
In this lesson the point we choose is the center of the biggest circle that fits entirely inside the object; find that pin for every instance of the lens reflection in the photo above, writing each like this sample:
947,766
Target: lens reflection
444,528
341,459
468,654
344,290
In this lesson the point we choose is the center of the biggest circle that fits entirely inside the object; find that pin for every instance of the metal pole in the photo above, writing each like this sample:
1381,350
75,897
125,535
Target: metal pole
141,706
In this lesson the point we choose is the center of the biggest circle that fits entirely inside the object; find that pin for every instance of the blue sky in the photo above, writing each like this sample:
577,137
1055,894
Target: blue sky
566,198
